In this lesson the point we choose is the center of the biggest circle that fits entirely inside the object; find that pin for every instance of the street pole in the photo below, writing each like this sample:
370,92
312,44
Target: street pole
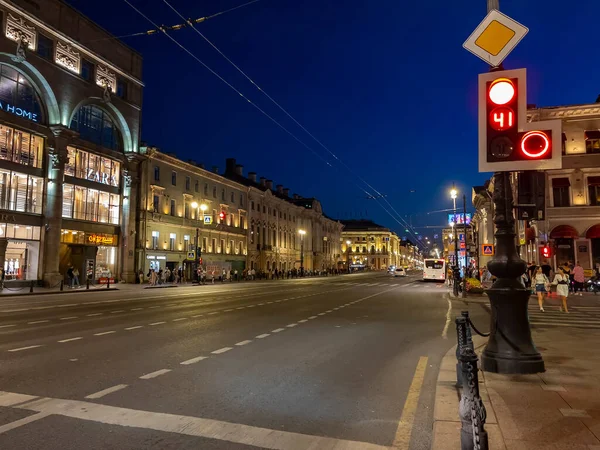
302,255
196,254
510,348
464,292
456,271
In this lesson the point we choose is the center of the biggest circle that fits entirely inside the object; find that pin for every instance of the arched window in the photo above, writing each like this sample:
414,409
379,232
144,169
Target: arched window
95,125
17,95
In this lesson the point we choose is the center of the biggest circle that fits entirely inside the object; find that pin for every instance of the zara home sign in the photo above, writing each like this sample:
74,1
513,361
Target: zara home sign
18,111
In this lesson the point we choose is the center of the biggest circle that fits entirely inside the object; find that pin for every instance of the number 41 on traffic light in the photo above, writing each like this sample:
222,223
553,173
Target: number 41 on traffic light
507,142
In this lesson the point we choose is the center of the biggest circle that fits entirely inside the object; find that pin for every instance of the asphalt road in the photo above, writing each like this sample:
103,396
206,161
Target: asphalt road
347,362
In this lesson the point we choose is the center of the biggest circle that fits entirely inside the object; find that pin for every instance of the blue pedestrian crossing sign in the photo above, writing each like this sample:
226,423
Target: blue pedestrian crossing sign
207,219
487,249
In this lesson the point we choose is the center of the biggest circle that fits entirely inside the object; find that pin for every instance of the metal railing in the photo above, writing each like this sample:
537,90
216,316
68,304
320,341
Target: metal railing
471,408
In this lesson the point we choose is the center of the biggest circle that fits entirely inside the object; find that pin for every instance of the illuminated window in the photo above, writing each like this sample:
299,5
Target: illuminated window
92,167
21,192
96,126
592,141
17,95
91,205
155,236
594,190
172,238
21,147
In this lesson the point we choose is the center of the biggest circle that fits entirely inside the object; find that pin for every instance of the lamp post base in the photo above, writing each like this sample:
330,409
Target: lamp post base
510,348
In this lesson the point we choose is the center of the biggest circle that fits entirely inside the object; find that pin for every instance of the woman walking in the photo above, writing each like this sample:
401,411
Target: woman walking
561,280
541,282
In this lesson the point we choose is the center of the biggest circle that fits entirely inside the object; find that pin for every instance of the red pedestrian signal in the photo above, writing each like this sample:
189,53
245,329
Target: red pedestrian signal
505,144
222,216
546,252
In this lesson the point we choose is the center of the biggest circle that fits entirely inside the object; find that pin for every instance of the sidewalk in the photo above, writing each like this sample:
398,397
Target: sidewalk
555,410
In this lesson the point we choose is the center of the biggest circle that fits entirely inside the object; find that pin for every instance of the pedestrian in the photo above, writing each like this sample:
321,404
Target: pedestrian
235,274
579,277
76,277
141,277
70,275
561,280
541,282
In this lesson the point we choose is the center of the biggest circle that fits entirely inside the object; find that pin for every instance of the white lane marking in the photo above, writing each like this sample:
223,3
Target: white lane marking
269,303
7,326
158,373
105,332
118,311
292,325
312,317
278,330
188,426
197,315
448,318
193,360
335,309
68,318
243,343
24,348
134,328
262,336
212,313
251,306
228,310
136,309
152,307
222,350
181,318
95,314
71,339
23,421
156,323
104,392
329,311
277,301
260,304
241,307
321,314
37,321
303,320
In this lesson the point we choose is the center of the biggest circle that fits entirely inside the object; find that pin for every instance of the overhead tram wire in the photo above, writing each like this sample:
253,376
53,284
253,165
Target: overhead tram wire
379,194
188,22
253,104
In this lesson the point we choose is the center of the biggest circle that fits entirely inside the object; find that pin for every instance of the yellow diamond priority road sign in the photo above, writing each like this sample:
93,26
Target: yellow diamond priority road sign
495,38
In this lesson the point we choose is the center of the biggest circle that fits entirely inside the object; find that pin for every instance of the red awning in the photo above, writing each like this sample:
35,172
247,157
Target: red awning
560,182
593,232
565,232
530,234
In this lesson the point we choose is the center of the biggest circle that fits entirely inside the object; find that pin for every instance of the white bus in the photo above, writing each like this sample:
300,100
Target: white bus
434,269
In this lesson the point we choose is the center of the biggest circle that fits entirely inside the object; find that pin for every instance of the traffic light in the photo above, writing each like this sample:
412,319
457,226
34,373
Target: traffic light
506,141
546,252
222,216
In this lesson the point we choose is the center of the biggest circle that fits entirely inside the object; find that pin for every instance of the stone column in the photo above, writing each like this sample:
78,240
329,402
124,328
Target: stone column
55,171
129,199
3,245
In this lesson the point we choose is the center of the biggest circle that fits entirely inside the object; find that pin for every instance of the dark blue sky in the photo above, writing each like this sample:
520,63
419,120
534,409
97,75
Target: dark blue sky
385,84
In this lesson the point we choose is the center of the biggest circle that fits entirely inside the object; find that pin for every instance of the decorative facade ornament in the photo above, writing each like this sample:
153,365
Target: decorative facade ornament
55,157
106,79
18,30
128,179
21,52
106,94
67,57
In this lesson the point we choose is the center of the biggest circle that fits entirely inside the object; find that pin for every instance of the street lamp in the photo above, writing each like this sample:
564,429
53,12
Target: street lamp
456,270
348,242
203,207
302,233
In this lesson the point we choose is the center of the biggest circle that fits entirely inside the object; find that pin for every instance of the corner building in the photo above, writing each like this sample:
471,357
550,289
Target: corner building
70,108
372,246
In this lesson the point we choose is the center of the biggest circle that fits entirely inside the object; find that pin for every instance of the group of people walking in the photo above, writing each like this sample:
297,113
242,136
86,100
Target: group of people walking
567,277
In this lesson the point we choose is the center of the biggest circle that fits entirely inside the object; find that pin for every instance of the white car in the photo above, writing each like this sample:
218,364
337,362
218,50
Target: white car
399,272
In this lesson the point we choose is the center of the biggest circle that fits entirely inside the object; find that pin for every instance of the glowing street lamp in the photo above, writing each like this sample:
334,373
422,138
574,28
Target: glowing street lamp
348,242
301,233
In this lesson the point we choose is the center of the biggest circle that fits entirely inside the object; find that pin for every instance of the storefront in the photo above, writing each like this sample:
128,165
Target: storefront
155,262
94,255
22,257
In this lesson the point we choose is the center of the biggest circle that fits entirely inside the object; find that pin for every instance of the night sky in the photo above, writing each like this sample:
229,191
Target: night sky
384,84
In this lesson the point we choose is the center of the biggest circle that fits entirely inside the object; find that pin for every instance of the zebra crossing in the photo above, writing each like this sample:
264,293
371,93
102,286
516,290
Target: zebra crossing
578,317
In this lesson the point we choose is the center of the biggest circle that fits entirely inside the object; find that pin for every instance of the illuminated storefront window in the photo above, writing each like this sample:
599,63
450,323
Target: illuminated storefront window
21,147
106,256
90,204
91,167
22,251
20,192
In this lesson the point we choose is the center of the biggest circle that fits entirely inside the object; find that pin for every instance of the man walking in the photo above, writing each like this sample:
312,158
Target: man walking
579,276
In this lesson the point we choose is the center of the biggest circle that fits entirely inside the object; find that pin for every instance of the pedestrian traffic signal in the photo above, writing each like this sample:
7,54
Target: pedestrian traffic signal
506,141
546,252
222,216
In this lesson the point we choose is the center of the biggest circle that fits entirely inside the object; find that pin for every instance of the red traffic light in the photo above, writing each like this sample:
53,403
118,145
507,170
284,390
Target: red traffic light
222,215
501,91
535,144
546,253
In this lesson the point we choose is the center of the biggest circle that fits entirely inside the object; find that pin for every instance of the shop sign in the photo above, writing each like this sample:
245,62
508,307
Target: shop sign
101,177
583,249
18,111
7,218
159,257
101,239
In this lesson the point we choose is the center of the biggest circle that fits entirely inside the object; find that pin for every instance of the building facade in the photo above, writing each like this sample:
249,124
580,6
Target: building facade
367,245
184,208
571,224
285,232
69,131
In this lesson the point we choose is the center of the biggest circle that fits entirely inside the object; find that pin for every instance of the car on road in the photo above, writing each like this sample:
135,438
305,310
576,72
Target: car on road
398,272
